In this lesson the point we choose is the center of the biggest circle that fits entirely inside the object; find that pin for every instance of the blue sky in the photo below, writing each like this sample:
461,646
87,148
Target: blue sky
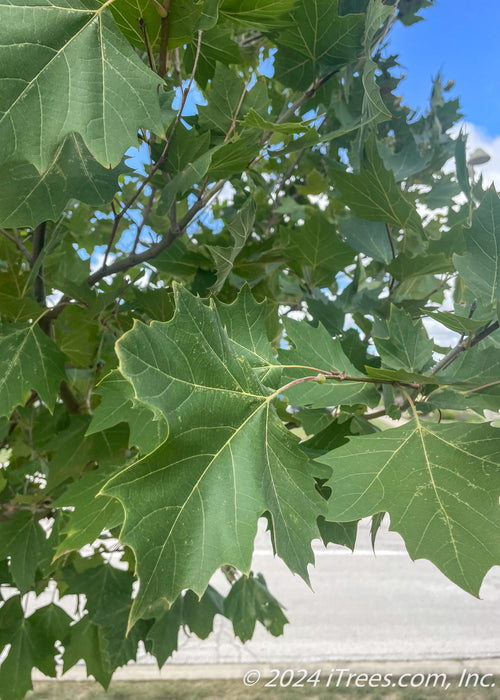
460,38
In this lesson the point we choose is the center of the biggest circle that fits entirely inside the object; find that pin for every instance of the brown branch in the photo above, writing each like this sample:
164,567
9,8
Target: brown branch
463,346
147,44
145,215
18,245
164,34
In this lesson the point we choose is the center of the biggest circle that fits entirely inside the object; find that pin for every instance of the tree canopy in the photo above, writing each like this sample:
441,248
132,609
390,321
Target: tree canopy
223,237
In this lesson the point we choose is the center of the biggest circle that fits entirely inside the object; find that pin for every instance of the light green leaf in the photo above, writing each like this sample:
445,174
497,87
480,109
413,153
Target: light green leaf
440,485
223,97
240,227
28,197
180,185
480,266
368,237
29,360
406,344
316,350
459,324
91,515
245,324
316,41
373,194
67,68
316,251
373,109
119,405
256,13
228,458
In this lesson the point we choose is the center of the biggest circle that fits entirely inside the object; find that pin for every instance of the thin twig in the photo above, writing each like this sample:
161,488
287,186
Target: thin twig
238,107
145,215
18,245
164,34
463,346
147,44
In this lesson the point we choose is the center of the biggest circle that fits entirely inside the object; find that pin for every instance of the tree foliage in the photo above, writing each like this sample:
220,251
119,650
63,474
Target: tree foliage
221,236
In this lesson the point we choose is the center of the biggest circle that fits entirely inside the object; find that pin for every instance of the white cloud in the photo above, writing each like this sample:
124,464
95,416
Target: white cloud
478,138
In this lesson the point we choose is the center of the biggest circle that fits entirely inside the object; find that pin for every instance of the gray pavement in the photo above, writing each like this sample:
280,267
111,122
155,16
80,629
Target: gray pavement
362,607
369,610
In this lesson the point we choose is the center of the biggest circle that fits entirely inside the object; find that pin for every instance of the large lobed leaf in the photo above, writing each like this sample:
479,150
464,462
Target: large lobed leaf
439,483
193,504
66,67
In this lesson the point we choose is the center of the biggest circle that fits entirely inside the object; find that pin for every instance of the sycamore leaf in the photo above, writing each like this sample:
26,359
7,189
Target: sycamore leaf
228,459
315,41
480,266
406,345
240,228
373,194
67,68
245,324
28,197
368,237
249,601
31,645
24,541
459,324
256,13
373,109
119,405
440,485
88,642
28,360
315,250
91,515
223,98
315,350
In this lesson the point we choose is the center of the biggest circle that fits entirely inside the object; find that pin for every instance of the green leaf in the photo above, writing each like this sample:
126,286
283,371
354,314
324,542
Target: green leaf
406,344
184,181
224,95
28,197
317,350
249,601
24,541
32,645
406,162
338,533
245,324
368,237
164,633
373,194
87,642
316,41
240,227
67,68
373,109
459,324
91,514
219,415
480,266
440,485
118,405
315,250
29,360
256,13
